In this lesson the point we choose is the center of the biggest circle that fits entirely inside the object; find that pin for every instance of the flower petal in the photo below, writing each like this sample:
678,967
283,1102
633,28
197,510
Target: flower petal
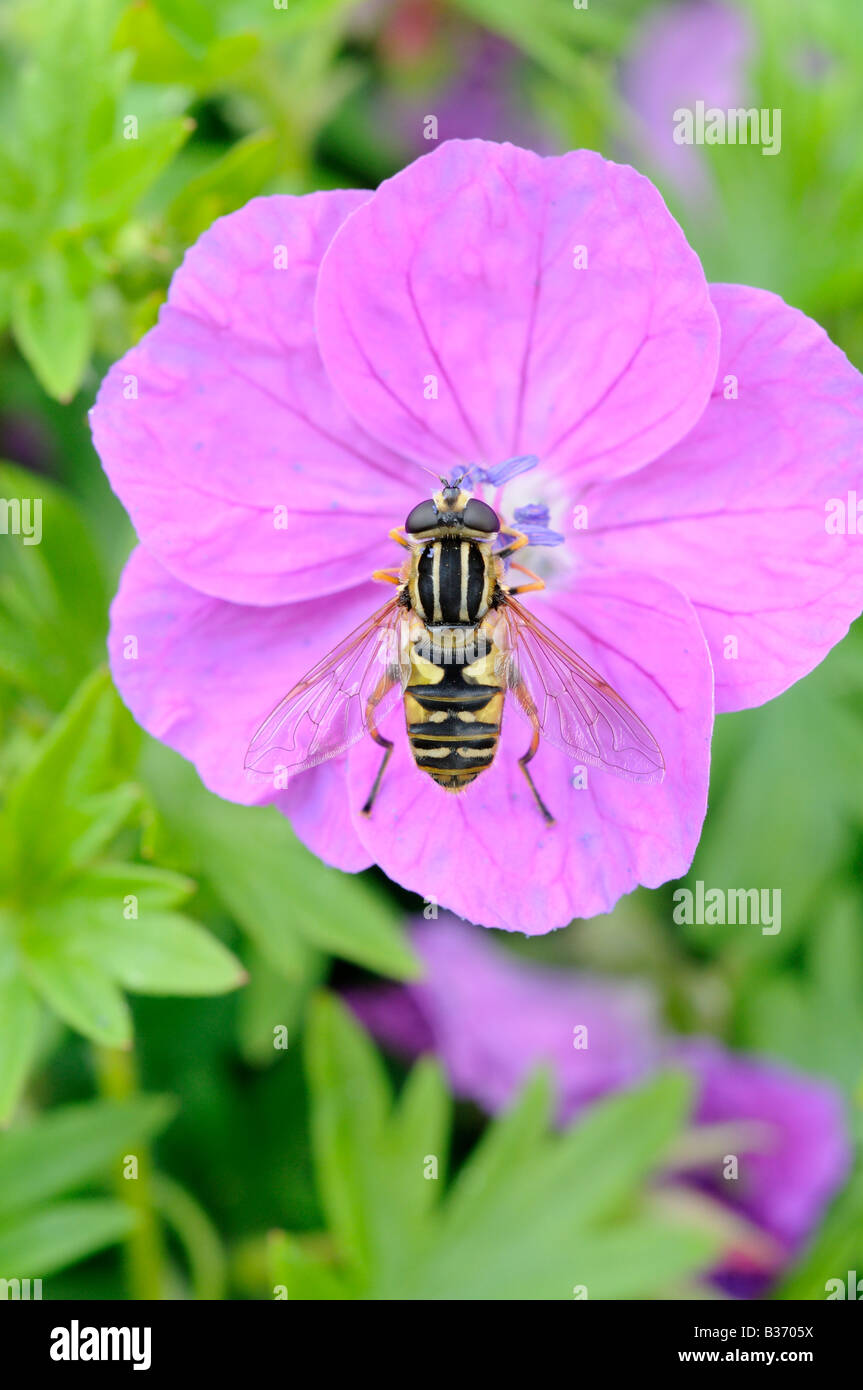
487,853
786,1187
735,515
223,414
455,326
201,674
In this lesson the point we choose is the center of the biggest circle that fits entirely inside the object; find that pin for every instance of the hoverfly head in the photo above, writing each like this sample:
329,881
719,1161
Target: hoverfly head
452,508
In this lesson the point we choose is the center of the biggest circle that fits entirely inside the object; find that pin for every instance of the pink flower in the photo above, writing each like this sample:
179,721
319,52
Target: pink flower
317,353
492,1018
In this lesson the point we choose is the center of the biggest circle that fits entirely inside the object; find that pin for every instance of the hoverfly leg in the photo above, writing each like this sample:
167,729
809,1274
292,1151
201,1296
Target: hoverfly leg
529,708
387,746
518,542
391,576
385,743
397,534
523,762
536,582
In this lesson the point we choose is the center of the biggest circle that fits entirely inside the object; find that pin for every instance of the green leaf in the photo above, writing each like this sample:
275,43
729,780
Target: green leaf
786,780
351,1100
270,883
227,184
160,953
506,1145
813,1018
44,1241
20,1016
68,1146
533,1215
541,1230
55,809
106,887
414,1152
270,1001
122,172
53,326
78,990
51,634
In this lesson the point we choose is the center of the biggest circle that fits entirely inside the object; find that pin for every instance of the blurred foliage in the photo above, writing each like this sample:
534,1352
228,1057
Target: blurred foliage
514,1224
129,125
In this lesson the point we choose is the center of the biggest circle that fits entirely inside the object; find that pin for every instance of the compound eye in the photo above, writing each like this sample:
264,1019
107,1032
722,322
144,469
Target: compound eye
479,516
422,517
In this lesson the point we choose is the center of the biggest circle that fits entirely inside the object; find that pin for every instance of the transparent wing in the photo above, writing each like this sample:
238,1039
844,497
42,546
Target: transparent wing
578,711
328,709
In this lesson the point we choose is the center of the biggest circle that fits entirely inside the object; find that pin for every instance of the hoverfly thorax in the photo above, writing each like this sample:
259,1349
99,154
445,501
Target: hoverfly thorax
452,574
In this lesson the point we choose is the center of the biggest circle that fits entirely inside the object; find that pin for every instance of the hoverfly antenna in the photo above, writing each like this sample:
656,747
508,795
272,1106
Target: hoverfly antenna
430,472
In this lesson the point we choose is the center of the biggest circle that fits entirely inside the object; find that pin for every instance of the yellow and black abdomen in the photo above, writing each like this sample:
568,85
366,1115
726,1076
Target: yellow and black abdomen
453,721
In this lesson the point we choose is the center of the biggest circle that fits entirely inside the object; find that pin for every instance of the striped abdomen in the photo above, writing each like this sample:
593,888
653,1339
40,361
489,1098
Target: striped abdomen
453,715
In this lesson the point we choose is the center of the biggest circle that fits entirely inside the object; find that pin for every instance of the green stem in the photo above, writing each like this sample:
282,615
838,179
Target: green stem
117,1078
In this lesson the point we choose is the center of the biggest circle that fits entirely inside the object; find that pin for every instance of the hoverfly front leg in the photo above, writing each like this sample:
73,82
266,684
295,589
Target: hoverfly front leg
517,543
375,698
536,582
393,574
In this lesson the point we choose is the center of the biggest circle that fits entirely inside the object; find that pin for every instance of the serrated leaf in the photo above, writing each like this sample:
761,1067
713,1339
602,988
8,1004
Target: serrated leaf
41,1242
66,1147
540,1214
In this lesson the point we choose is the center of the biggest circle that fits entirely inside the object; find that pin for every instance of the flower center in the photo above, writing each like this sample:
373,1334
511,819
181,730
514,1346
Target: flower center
516,502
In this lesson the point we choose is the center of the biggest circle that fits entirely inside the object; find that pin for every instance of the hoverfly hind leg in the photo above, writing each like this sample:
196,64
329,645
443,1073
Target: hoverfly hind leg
523,764
385,743
387,746
530,710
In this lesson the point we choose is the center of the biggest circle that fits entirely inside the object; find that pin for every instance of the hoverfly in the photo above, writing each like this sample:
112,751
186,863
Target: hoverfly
452,642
